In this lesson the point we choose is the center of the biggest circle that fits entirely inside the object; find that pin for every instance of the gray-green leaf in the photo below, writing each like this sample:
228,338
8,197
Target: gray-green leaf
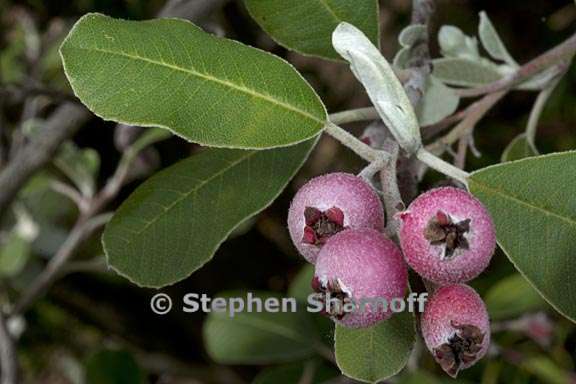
170,74
511,297
381,84
259,337
454,43
547,370
518,148
411,34
14,253
401,59
300,288
175,221
438,102
492,42
375,353
306,26
534,209
81,166
466,72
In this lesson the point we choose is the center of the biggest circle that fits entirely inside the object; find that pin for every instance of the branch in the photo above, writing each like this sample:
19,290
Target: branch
554,56
441,166
21,92
473,114
82,230
194,11
391,193
61,125
64,122
537,110
419,61
361,149
69,117
354,115
8,361
420,67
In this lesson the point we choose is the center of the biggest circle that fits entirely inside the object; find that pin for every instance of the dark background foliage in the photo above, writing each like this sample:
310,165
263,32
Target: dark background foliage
89,311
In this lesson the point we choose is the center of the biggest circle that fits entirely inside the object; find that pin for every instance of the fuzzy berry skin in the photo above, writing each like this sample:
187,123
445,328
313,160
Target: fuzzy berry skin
447,236
456,328
356,264
328,204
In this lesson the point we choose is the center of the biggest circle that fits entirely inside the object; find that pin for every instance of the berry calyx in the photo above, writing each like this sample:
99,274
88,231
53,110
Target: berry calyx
355,267
321,225
328,204
456,328
442,230
447,236
334,290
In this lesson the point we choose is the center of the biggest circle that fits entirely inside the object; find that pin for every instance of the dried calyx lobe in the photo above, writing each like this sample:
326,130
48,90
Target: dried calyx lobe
461,349
442,230
320,225
331,289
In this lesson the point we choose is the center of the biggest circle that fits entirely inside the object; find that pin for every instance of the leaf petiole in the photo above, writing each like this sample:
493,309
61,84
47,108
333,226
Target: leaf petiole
442,166
361,149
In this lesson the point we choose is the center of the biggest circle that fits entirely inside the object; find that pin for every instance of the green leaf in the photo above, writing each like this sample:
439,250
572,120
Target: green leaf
512,297
438,102
168,73
375,353
301,286
13,50
519,148
546,370
533,206
259,337
175,221
14,254
465,72
492,42
306,26
312,370
149,137
113,367
81,166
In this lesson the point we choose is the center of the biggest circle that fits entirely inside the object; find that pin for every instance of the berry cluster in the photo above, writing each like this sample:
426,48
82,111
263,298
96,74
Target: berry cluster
446,236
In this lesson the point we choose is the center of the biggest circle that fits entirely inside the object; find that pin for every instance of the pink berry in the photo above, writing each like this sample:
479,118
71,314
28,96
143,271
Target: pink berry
456,328
360,264
447,236
328,204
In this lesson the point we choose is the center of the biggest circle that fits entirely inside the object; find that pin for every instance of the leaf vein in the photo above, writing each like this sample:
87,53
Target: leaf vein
208,77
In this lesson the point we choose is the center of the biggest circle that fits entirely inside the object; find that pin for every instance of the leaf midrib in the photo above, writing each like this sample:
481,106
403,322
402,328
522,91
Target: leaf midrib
516,199
207,77
330,11
195,189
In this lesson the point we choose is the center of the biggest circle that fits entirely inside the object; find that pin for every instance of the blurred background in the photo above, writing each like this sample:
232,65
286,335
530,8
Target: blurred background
94,325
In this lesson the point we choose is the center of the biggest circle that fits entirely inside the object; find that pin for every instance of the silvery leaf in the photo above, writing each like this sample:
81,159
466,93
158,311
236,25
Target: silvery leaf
438,102
401,58
411,34
492,42
454,43
382,85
